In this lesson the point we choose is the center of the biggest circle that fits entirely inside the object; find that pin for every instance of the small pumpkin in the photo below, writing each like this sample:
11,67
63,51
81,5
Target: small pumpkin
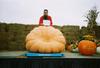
69,48
45,39
87,47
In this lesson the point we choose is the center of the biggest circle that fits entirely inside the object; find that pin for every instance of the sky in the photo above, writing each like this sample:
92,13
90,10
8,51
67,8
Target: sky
63,12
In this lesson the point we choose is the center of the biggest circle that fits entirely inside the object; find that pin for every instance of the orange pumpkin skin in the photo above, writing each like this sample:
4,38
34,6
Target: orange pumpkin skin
87,47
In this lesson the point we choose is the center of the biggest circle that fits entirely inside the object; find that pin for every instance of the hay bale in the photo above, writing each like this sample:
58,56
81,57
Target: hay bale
3,41
3,27
70,32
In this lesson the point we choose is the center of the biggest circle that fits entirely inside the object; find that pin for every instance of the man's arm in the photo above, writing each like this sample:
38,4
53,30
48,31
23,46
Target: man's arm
41,21
50,21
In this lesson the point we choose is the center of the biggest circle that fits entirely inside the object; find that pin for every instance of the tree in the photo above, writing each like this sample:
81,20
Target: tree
91,19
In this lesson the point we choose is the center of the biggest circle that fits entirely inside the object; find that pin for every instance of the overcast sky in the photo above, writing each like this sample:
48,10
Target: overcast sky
63,12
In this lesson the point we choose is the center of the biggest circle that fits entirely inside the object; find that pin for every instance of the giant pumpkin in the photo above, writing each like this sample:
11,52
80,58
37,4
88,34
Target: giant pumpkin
87,47
45,39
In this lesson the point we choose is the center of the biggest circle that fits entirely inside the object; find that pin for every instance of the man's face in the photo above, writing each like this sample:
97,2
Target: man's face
45,12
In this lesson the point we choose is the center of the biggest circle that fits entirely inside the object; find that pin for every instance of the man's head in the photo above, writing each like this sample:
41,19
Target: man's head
45,12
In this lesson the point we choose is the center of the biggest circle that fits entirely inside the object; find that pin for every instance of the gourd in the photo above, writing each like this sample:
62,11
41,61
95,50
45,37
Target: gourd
98,50
45,39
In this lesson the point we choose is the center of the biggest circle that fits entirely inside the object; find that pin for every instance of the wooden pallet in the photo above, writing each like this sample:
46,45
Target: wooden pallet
44,54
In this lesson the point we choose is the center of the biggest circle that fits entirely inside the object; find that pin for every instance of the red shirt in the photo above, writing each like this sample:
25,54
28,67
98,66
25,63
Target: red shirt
41,20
